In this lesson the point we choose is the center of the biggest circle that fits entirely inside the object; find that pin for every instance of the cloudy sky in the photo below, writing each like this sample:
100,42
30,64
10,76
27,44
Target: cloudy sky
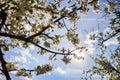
73,71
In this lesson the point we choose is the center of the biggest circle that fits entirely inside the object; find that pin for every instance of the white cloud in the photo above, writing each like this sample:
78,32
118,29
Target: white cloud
60,70
74,71
13,72
91,49
25,56
69,71
32,47
26,52
26,78
49,73
20,59
90,43
88,40
107,30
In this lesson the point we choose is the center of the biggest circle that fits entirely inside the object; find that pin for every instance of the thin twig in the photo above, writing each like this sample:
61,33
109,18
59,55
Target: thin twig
65,25
113,35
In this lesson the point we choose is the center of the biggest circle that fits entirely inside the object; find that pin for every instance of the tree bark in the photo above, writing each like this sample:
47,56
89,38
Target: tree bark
3,64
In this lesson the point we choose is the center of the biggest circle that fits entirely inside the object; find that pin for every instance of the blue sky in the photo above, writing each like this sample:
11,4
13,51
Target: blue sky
73,71
29,58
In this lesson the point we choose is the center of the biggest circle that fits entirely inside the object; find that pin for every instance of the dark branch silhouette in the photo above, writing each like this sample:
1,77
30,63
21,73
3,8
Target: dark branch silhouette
113,35
57,20
4,69
27,40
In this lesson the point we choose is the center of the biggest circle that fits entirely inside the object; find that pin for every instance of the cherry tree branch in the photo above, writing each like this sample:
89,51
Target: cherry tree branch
30,70
57,20
113,35
112,68
47,35
3,64
60,53
30,41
